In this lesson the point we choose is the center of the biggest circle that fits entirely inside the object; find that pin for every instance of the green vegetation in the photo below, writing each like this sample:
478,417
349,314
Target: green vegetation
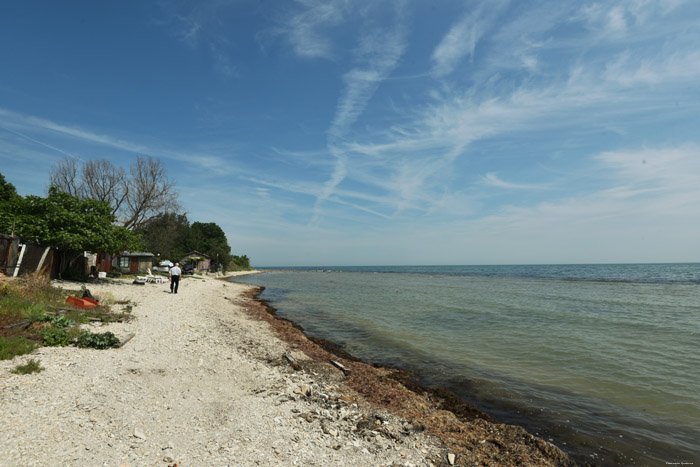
240,263
66,223
172,236
55,337
26,306
103,340
32,366
84,203
15,345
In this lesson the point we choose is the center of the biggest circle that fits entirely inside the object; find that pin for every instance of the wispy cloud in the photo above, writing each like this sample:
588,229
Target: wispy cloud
376,56
43,130
463,37
493,180
306,28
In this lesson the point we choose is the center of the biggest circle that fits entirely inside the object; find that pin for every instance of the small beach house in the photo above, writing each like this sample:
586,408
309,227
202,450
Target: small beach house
201,261
133,262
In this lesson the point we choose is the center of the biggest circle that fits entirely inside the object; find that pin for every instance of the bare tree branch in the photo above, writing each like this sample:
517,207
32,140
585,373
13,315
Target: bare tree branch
150,193
134,198
105,182
64,175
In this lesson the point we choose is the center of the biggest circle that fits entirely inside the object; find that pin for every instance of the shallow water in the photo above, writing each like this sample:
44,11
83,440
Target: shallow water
604,360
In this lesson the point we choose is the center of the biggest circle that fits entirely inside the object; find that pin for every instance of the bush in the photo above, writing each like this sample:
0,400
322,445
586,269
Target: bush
32,366
15,345
54,337
103,340
61,322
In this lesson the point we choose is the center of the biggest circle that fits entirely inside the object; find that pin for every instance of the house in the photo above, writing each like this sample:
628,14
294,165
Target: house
201,261
133,262
106,262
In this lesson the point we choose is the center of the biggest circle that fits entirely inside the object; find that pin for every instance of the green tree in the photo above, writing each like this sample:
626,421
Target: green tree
240,262
210,239
7,190
166,235
67,224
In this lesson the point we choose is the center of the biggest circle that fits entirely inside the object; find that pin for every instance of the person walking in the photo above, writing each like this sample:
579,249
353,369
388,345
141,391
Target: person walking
174,274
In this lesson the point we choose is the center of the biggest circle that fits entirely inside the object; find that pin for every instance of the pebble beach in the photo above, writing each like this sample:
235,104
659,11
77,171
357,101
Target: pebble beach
211,378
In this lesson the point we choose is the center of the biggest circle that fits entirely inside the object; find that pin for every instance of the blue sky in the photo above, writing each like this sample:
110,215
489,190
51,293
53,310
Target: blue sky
343,132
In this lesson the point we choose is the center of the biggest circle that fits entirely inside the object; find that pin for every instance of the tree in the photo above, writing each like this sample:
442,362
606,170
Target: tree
166,234
68,224
66,176
150,193
134,198
104,182
241,262
7,189
210,239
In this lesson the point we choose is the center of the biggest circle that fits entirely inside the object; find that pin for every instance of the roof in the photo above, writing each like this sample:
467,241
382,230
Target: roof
196,253
135,253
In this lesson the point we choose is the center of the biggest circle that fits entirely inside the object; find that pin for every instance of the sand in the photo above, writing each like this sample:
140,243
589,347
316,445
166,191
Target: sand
211,379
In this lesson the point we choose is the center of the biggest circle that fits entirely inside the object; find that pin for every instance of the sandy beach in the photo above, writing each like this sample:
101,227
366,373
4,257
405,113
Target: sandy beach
212,378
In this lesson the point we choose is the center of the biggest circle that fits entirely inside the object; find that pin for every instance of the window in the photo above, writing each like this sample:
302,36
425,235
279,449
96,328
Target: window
124,262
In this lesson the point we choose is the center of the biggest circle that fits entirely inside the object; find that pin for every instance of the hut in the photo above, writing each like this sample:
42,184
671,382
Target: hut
133,262
200,261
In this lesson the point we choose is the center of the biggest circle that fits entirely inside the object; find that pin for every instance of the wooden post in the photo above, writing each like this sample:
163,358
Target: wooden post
19,261
43,258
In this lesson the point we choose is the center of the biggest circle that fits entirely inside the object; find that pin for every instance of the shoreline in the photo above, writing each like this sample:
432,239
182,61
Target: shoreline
200,383
208,380
462,427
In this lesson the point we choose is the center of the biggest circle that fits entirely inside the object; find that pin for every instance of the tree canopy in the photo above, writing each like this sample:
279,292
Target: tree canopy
134,197
166,235
7,189
172,236
66,223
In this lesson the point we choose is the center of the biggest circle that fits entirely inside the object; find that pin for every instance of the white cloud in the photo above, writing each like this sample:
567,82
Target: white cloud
42,130
493,180
307,28
675,68
462,38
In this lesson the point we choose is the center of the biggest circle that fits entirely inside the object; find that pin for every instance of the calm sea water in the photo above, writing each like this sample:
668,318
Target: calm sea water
603,360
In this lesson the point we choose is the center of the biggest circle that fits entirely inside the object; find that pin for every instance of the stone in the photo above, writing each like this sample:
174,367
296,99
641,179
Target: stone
451,458
139,434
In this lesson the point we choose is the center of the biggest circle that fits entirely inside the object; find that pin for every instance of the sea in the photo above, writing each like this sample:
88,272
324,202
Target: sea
601,360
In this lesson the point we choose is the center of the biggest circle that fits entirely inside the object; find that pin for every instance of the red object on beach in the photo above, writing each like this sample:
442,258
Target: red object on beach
85,303
90,300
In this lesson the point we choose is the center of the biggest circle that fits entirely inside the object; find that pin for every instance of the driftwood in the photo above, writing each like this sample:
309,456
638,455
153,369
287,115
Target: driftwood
340,366
125,340
292,361
24,323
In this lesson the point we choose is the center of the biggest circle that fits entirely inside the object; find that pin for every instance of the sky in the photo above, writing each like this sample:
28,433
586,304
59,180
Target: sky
371,132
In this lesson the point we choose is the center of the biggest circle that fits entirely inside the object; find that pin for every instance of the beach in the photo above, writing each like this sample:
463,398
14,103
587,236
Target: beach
211,377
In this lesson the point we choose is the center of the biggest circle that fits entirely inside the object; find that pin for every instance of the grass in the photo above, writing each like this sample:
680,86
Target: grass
32,366
15,345
44,318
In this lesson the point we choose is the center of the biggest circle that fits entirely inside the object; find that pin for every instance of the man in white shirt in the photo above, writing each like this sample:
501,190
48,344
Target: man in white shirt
174,274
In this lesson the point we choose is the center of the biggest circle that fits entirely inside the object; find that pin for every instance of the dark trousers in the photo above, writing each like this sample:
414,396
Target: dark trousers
174,282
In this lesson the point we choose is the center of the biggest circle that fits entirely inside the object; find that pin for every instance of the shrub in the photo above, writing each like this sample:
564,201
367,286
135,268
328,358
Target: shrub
32,366
61,322
15,345
103,340
54,337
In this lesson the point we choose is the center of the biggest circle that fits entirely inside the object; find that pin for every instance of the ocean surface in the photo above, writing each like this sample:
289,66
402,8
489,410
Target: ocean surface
602,360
